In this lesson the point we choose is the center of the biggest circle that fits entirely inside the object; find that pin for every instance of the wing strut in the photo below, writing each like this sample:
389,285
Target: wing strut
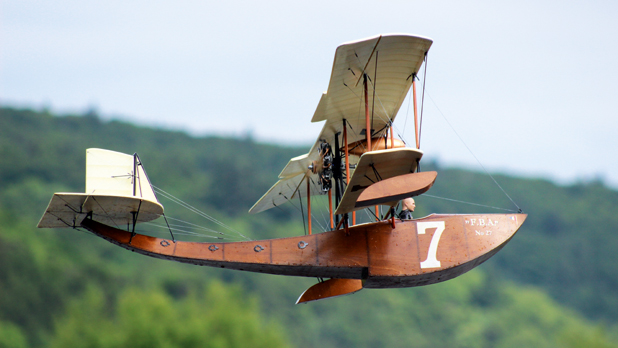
367,119
418,144
368,60
367,131
308,204
337,173
330,208
347,160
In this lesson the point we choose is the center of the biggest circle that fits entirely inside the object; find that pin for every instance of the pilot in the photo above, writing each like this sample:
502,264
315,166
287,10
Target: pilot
408,206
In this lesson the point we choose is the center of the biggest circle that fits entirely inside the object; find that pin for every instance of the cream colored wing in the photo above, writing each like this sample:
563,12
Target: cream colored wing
69,209
376,166
390,62
112,173
286,189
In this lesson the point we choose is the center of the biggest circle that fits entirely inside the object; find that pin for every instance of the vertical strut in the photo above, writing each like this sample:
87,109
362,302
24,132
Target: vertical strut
391,131
418,145
330,208
308,204
368,132
367,119
347,161
337,174
135,214
134,174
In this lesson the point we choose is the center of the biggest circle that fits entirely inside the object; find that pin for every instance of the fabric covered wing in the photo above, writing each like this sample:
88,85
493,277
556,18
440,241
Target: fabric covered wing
69,209
286,189
390,62
373,167
112,173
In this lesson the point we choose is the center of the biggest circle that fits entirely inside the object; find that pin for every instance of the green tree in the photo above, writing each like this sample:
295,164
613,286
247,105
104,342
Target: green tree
219,317
11,336
74,289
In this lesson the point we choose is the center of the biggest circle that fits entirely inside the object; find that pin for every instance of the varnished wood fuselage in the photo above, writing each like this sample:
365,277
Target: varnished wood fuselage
413,253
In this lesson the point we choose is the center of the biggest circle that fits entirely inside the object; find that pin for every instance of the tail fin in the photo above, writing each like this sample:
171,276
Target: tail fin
116,174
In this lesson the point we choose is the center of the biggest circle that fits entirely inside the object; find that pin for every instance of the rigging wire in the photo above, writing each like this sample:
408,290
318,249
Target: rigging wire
472,153
373,215
375,78
181,228
470,203
388,119
186,232
197,211
321,207
302,211
323,227
405,122
193,225
420,127
313,208
106,213
450,125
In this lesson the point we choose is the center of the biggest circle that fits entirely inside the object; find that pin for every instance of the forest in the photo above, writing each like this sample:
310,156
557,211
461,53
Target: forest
553,285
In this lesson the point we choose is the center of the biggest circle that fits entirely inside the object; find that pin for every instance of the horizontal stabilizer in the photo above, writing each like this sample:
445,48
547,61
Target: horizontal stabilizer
69,209
330,288
395,189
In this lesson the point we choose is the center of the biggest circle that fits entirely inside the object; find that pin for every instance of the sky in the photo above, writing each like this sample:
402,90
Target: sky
524,88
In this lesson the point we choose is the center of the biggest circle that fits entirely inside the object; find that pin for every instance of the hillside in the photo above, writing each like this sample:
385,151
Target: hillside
549,287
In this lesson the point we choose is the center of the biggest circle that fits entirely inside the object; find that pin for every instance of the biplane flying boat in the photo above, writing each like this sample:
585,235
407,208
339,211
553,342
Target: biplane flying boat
356,162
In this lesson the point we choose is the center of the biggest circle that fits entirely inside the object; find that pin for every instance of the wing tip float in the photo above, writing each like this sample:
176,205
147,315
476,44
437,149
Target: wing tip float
330,288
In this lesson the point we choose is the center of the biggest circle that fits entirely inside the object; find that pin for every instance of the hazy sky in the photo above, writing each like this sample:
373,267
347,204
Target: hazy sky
528,85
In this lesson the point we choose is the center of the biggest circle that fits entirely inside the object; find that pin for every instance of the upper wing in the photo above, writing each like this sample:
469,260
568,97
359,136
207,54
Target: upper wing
390,62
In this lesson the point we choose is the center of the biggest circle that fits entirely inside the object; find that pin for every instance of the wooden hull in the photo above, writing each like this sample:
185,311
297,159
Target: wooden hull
416,252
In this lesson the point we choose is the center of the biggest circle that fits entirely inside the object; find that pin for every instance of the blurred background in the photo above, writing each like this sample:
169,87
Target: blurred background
217,97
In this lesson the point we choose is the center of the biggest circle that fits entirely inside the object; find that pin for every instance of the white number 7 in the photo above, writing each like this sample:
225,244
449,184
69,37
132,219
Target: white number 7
431,261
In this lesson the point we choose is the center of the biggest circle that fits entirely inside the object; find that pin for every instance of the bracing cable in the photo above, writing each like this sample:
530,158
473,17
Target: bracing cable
197,211
420,127
472,153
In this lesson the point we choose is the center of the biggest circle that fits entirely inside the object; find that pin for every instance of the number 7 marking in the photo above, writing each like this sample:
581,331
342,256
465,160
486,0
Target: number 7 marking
431,261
